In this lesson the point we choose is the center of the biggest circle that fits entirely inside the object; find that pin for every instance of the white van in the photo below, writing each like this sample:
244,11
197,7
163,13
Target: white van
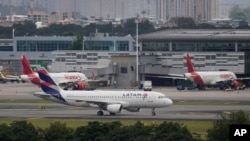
147,85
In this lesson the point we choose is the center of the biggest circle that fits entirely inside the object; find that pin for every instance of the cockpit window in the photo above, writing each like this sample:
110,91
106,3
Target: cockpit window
160,97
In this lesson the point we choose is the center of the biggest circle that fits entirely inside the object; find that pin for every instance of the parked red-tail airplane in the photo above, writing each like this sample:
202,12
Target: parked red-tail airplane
204,78
223,79
77,79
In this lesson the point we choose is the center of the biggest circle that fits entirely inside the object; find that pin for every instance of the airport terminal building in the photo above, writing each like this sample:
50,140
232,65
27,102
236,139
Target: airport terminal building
113,58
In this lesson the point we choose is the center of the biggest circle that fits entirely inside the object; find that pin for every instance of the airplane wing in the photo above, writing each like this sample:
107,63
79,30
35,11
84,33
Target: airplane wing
243,78
169,76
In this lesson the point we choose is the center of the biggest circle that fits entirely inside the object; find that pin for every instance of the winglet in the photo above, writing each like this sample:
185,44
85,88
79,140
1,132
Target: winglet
26,65
189,64
48,85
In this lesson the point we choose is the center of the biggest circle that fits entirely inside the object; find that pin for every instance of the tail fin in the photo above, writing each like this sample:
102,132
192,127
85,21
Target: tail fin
26,65
2,76
189,64
5,71
48,85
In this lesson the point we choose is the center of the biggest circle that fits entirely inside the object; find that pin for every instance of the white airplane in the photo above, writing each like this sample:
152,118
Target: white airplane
111,101
11,78
79,79
205,78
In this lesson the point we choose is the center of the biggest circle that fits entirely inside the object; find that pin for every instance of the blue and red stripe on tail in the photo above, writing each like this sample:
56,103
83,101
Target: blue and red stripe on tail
48,85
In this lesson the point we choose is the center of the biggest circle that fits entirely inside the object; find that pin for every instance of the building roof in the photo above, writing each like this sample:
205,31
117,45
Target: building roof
188,34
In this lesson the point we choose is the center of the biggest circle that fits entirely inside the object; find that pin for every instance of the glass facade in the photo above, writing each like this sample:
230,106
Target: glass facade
98,45
155,46
106,45
122,45
212,46
31,45
244,46
6,48
195,46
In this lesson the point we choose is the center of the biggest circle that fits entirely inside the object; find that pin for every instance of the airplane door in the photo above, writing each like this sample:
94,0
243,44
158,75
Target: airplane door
150,101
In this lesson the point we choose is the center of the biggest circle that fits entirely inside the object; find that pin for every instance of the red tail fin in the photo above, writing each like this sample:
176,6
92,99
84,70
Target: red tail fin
189,64
26,65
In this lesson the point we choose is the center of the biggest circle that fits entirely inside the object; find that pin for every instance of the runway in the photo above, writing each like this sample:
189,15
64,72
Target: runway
176,112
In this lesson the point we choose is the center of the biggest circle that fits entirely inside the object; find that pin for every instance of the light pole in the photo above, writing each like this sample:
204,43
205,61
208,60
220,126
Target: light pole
137,52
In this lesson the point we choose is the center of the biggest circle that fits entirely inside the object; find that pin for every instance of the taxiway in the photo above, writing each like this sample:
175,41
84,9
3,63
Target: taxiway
182,112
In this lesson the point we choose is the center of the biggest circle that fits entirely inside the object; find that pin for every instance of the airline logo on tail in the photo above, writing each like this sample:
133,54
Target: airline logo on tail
48,85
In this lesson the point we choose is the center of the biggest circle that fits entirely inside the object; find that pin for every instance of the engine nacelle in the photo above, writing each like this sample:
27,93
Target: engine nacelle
133,109
235,84
80,85
114,108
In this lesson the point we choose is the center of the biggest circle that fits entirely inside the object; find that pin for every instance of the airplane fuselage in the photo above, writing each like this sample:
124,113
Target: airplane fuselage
128,99
58,77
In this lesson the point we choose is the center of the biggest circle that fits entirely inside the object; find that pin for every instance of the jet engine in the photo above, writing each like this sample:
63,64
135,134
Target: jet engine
114,108
133,109
79,85
235,84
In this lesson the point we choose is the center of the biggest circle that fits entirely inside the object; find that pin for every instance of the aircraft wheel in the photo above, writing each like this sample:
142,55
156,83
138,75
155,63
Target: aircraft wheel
112,114
153,111
100,113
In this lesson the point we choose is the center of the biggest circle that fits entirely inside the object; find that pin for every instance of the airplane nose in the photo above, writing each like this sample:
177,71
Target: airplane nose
169,101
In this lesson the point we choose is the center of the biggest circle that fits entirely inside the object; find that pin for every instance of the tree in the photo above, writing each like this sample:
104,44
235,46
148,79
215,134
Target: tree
172,131
78,43
95,131
23,131
247,13
57,131
5,132
220,129
138,132
25,29
183,22
205,26
144,26
237,13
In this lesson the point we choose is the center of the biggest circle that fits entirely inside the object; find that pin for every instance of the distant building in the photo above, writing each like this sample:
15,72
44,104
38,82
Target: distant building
38,16
200,10
37,48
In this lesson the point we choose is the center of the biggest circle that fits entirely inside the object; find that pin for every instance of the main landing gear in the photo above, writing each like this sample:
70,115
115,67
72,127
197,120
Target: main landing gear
100,113
153,111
